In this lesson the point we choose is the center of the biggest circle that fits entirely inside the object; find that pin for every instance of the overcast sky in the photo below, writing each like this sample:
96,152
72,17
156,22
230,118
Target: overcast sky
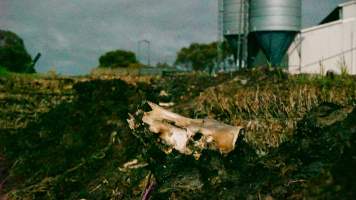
72,34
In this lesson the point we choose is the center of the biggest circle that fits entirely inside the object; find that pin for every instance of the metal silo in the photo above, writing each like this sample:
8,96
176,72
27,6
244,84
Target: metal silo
234,25
275,24
232,17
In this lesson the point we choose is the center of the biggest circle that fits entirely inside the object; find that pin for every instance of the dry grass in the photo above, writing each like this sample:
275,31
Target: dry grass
129,75
270,110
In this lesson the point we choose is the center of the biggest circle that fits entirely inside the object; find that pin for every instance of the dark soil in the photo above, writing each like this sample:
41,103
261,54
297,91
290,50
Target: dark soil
77,149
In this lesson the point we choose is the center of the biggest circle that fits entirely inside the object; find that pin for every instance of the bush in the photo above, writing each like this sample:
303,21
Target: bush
163,65
117,58
13,55
3,71
202,56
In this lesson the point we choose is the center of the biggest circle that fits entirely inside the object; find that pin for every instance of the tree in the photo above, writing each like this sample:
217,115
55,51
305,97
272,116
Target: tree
117,58
163,65
13,54
201,56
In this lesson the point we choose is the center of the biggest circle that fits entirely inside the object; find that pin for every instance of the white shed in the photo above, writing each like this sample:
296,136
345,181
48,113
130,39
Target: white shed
330,46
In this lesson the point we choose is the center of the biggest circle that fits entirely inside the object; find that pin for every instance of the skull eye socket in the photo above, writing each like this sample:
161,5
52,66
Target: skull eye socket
197,136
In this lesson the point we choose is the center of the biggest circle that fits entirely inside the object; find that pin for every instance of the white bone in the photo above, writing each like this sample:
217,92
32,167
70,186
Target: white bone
176,131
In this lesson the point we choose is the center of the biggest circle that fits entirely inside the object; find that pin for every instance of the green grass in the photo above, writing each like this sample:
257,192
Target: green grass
3,72
6,73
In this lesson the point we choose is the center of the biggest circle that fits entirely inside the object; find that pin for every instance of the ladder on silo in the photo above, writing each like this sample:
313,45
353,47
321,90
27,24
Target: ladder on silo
220,35
242,41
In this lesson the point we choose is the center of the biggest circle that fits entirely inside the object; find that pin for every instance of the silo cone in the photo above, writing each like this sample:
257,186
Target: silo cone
275,44
275,24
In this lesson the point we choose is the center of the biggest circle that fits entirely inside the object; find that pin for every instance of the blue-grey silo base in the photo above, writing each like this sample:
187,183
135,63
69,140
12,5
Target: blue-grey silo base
275,44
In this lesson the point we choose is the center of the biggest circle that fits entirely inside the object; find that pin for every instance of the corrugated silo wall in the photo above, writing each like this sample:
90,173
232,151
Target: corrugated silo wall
273,25
232,22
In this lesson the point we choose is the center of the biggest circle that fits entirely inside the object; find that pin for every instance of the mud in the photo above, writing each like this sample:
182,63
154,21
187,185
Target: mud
79,145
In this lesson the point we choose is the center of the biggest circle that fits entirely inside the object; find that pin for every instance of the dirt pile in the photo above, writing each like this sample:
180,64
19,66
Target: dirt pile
315,163
84,149
75,149
24,99
270,103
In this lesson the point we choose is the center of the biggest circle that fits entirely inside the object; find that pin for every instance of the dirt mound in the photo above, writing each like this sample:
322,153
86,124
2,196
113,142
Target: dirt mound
84,149
22,100
270,104
76,146
311,165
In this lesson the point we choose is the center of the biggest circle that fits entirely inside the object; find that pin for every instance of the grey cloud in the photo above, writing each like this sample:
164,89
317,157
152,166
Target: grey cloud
72,34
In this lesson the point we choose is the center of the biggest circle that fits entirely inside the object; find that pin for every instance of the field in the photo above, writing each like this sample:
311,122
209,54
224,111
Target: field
68,138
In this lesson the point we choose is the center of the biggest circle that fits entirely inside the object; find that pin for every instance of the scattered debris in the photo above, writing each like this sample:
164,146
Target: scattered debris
133,164
163,93
150,186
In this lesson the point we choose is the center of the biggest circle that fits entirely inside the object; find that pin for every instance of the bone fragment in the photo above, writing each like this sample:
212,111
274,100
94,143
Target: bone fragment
178,131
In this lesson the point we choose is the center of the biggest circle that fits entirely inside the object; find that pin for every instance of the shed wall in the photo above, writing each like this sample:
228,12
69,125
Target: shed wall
349,11
326,47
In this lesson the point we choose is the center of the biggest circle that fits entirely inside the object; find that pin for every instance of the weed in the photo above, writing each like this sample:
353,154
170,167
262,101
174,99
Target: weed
343,67
321,68
344,71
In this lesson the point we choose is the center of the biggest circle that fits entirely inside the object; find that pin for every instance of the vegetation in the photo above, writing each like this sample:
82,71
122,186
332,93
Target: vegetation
117,58
163,65
299,142
13,55
201,56
3,71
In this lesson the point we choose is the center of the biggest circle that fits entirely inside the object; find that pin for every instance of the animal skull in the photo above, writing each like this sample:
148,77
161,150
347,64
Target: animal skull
178,132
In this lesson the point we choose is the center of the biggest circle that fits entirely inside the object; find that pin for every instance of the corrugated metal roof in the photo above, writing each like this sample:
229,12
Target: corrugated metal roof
314,11
347,3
